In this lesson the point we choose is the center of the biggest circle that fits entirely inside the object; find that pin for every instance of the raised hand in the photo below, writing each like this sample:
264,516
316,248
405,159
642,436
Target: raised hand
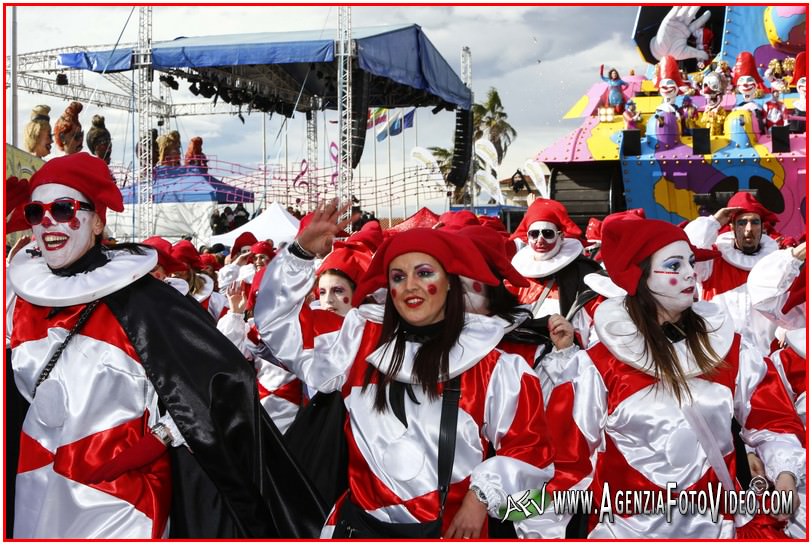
317,237
676,28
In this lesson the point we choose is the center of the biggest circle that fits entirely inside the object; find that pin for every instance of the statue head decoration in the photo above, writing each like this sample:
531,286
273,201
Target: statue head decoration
99,142
667,79
713,87
169,149
746,78
68,131
37,133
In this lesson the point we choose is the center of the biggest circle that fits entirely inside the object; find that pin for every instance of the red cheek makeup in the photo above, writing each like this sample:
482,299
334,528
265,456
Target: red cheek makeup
432,289
393,293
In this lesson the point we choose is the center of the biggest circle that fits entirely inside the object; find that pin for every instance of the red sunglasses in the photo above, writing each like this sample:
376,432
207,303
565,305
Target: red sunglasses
62,210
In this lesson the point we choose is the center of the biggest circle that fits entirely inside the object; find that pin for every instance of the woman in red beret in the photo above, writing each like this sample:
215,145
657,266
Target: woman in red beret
649,407
396,365
136,430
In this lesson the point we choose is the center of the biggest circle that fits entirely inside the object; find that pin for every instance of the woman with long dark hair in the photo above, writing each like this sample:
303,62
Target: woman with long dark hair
648,408
396,366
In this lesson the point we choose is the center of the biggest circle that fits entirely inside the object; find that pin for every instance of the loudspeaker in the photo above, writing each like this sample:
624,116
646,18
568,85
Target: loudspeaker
463,148
630,144
780,136
360,113
701,138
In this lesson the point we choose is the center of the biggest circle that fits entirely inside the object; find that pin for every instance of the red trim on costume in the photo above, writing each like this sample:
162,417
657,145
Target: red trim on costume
31,324
794,369
572,462
621,379
32,454
725,277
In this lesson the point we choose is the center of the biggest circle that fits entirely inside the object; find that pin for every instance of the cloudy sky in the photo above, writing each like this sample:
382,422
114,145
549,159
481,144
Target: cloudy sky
540,59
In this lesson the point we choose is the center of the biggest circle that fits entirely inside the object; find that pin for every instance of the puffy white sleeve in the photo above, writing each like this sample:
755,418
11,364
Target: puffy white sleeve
702,233
769,422
515,425
768,286
314,345
235,328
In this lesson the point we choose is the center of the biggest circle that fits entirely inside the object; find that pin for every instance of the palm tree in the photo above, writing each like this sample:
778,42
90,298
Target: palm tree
443,157
490,120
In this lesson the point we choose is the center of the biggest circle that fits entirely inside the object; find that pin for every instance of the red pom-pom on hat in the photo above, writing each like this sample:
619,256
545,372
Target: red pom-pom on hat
86,174
185,252
494,248
625,244
456,254
370,236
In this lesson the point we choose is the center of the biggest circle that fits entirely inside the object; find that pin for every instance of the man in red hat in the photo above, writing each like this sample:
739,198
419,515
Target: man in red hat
724,278
120,371
554,263
201,286
747,81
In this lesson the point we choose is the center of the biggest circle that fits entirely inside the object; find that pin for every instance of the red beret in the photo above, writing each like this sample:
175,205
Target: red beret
457,219
370,235
185,252
493,248
263,247
86,174
547,210
748,204
626,244
456,254
211,260
348,260
165,259
245,239
493,222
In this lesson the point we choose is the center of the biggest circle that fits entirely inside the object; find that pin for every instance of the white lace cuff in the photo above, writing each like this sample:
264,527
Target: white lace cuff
793,461
496,496
177,438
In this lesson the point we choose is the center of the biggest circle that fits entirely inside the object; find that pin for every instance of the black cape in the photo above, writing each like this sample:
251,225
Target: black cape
239,481
570,281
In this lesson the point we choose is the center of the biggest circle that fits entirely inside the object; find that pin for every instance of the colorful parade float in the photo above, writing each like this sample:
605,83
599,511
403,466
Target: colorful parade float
678,141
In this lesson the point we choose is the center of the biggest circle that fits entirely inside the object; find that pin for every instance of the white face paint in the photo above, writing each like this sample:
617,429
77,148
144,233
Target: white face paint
63,243
668,90
335,294
672,280
476,300
746,86
545,248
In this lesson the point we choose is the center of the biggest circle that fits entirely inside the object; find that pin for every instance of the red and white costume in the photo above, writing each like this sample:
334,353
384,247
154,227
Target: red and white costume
214,302
392,474
70,430
724,279
624,429
773,284
776,114
280,392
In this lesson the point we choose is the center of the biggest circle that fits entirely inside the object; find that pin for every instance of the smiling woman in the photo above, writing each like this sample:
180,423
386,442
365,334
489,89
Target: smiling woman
402,368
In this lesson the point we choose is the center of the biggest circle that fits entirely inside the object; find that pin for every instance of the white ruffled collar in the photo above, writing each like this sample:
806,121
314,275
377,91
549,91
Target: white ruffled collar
479,336
205,291
620,336
531,268
32,280
796,339
725,243
603,285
